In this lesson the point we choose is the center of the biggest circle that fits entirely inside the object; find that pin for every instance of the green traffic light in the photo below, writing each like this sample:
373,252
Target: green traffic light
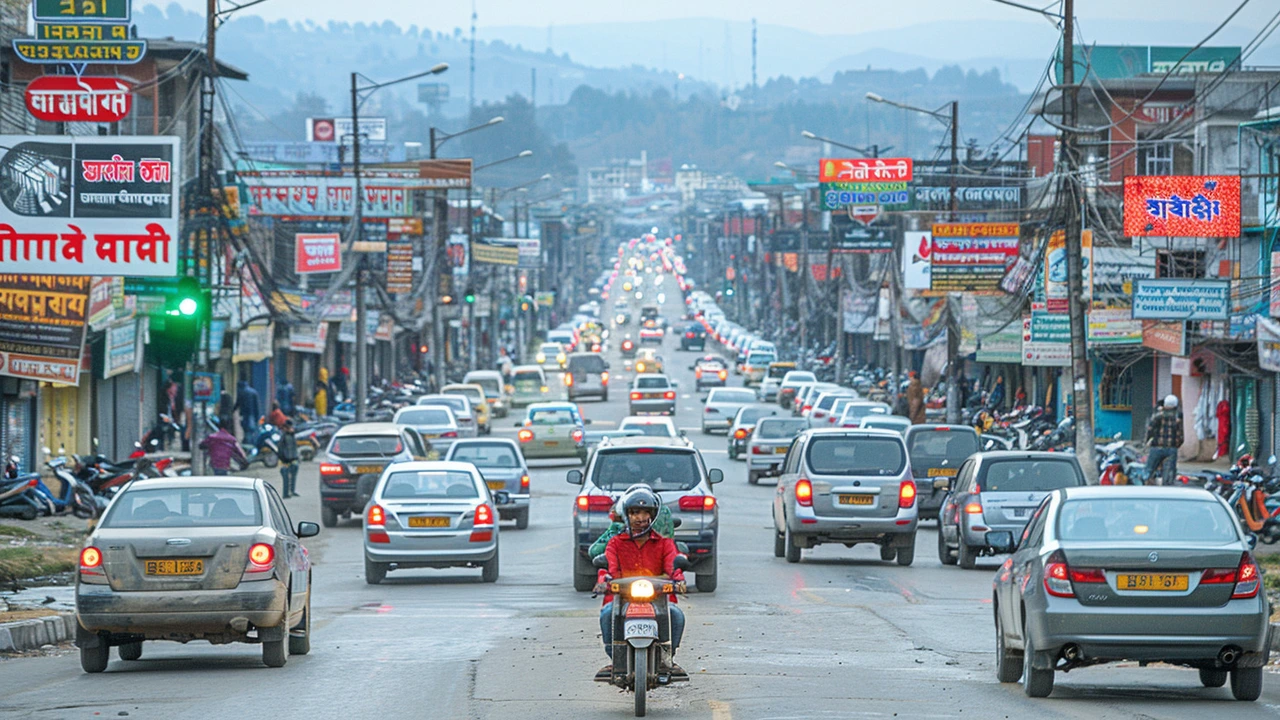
188,306
469,297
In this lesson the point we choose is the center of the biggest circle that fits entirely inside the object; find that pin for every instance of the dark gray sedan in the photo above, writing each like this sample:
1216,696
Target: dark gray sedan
1147,574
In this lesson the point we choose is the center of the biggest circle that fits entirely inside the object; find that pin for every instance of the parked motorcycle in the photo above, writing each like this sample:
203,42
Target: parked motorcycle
263,448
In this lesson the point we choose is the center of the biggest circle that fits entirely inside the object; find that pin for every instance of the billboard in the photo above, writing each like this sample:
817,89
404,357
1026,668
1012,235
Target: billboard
972,257
916,249
89,205
1181,299
339,130
317,253
315,195
1182,205
864,170
1055,270
67,98
444,174
42,326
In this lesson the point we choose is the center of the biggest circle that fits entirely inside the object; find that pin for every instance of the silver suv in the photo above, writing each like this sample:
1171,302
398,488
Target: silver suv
676,472
848,487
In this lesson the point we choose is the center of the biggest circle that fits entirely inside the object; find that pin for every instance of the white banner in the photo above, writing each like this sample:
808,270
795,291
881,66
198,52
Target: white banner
915,260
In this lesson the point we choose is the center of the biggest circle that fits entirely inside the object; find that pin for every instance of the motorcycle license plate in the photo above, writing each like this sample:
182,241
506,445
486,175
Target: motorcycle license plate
942,472
428,522
856,499
641,629
496,484
174,567
1152,582
368,469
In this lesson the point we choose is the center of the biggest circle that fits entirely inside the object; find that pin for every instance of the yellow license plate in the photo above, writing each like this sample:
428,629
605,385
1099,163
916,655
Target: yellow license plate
431,436
1152,581
368,469
496,484
550,443
942,472
428,522
781,450
856,499
174,567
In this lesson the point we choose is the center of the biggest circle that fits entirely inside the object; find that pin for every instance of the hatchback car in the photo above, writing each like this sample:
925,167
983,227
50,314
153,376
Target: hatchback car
651,331
528,385
721,405
431,515
672,468
356,456
847,487
194,558
495,390
553,430
587,375
744,421
709,371
503,468
755,365
855,411
435,423
479,403
1145,574
652,394
693,337
937,452
768,443
791,382
461,406
880,421
996,491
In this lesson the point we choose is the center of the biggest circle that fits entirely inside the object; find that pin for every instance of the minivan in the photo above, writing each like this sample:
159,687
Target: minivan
587,374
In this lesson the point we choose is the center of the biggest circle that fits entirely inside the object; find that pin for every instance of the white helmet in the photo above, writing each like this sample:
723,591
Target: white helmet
1171,401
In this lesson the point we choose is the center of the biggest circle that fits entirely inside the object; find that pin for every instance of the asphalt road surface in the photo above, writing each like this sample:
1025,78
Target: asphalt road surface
839,635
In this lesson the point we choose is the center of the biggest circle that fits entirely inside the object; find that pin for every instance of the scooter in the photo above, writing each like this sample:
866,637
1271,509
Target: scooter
75,497
17,491
264,448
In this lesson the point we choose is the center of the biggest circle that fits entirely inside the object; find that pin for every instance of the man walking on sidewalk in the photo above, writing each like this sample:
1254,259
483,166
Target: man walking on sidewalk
221,448
1164,436
288,460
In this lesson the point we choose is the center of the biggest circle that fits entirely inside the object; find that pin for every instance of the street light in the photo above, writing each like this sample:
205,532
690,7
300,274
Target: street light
359,93
873,151
471,228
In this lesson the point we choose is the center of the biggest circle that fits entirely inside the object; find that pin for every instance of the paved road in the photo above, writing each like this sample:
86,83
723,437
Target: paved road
839,635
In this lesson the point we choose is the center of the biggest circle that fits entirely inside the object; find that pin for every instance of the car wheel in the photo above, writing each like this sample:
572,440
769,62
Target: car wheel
944,553
779,544
604,397
752,477
1246,683
1008,662
328,517
95,659
133,651
706,580
907,553
374,572
274,653
1213,677
584,575
489,570
522,518
888,553
792,549
1035,683
300,636
705,431
966,556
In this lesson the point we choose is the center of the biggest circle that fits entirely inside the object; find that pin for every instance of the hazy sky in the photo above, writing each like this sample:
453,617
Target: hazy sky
819,16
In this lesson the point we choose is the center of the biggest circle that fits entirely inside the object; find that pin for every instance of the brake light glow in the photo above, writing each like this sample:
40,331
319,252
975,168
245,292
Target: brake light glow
697,502
697,373
604,378
973,508
577,435
484,515
525,435
261,559
568,379
804,493
723,374
627,345
635,396
524,482
669,395
331,469
376,516
1248,578
907,494
759,450
449,434
90,558
689,334
595,503
1057,576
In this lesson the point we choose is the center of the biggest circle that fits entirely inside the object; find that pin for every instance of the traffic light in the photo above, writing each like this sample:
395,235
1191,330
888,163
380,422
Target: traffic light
728,288
446,299
470,297
176,328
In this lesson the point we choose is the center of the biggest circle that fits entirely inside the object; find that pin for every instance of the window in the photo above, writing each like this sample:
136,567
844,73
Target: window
558,416
780,428
879,456
1156,158
185,507
279,515
441,416
652,383
490,455
429,485
367,445
1115,390
1030,476
661,470
1146,521
414,442
929,448
1180,264
742,397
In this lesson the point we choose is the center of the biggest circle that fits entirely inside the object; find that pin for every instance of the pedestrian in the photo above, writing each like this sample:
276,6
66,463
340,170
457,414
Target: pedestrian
322,393
289,460
287,397
996,399
341,384
221,448
226,407
1164,437
915,399
277,416
249,405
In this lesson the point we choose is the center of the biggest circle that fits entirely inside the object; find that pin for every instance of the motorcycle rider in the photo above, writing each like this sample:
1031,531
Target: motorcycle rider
1164,435
617,522
640,551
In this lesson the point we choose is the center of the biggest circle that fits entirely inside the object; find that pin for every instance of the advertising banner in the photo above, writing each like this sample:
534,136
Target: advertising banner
864,170
1055,270
972,257
916,249
489,253
1275,285
1113,326
308,338
42,326
854,239
968,198
44,51
444,174
456,250
1182,205
67,98
317,253
101,308
122,349
399,267
530,252
1181,299
1042,353
1002,346
89,205
253,343
323,196
836,195
1268,345
1166,337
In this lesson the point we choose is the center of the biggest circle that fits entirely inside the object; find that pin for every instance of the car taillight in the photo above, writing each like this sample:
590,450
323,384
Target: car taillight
261,559
832,419
635,396
627,345
577,435
525,435
595,347
669,395
697,502
804,410
595,503
907,494
1058,576
804,493
1248,578
723,374
973,508
697,374
640,367
484,515
375,516
759,450
524,482
739,433
568,379
689,335
604,378
331,469
90,559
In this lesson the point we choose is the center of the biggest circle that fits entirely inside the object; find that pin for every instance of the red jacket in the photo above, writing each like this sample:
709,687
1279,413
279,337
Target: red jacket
628,558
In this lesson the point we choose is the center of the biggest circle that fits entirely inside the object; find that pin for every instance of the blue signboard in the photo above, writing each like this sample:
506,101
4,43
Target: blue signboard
1181,299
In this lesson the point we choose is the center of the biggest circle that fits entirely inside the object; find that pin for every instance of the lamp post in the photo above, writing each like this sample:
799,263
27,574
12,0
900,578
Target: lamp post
872,151
471,305
359,93
953,322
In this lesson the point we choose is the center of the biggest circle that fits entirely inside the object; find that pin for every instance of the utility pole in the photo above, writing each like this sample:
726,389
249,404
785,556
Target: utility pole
802,302
440,218
953,319
471,92
362,360
1081,398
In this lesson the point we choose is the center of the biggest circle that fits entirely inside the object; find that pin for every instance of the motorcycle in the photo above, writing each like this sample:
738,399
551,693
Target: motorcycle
641,619
264,447
17,491
75,497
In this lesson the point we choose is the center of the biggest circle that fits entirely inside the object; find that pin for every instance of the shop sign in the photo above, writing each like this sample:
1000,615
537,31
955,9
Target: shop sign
253,343
205,387
864,170
864,240
459,259
1041,353
491,254
39,51
1181,299
67,98
444,174
835,196
89,205
101,307
1056,289
404,226
308,338
386,328
312,196
1001,346
968,198
1113,326
916,249
1268,345
122,349
859,312
399,267
1169,338
320,253
544,299
972,257
530,252
42,326
1182,205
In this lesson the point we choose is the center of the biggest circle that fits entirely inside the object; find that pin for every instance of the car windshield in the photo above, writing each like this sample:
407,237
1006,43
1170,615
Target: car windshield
857,411
558,416
430,485
140,507
527,377
732,396
366,445
749,415
856,456
931,447
651,383
458,405
428,416
826,403
469,393
1029,476
649,429
1146,521
487,455
661,470
780,428
760,358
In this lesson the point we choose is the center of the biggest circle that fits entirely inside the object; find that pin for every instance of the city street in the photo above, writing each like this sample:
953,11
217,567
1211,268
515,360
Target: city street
839,635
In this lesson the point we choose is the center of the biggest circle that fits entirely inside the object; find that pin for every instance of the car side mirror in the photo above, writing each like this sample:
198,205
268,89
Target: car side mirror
702,400
1001,541
675,383
681,562
692,367
715,475
600,561
574,477
586,421
676,523
308,529
502,497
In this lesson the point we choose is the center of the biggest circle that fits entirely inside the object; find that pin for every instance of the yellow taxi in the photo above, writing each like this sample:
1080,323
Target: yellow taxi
648,361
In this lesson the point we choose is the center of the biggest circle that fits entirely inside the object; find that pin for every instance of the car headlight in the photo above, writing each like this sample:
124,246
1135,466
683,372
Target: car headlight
560,359
540,357
641,590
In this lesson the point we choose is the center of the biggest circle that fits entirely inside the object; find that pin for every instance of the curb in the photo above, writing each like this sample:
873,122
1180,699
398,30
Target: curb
1274,641
33,634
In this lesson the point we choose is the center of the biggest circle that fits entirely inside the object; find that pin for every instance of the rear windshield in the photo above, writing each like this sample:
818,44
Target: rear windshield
648,429
854,411
588,363
930,447
1146,521
491,386
1029,476
779,372
856,456
561,337
429,485
550,349
528,376
651,383
749,415
711,364
469,393
366,445
490,455
552,417
874,423
661,470
760,358
184,507
827,402
732,396
459,404
780,429
800,377
426,416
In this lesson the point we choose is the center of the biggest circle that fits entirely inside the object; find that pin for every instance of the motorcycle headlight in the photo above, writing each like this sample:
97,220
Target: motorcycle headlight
642,590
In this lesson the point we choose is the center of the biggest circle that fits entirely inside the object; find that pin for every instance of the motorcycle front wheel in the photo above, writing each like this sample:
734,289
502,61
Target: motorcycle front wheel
640,658
270,459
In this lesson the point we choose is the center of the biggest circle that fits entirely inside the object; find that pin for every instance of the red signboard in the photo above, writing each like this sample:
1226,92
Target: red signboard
317,253
67,98
1182,205
864,170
